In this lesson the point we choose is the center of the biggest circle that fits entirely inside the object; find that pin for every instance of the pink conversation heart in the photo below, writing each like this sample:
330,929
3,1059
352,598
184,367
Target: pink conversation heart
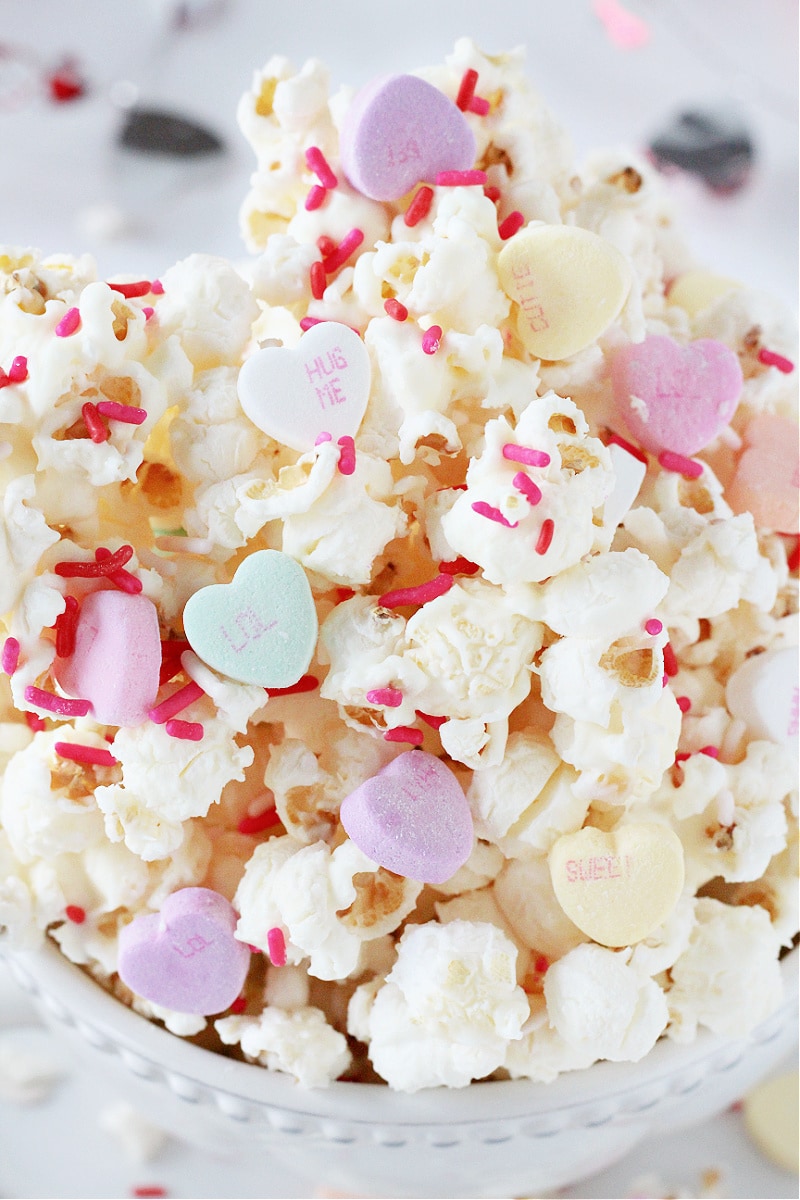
186,957
412,818
400,130
765,482
117,657
674,397
320,386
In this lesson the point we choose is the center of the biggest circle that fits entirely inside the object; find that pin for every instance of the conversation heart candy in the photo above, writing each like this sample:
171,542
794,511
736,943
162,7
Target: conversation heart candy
400,130
764,693
771,1118
674,397
695,290
116,658
259,628
412,818
186,957
618,887
321,385
569,285
766,478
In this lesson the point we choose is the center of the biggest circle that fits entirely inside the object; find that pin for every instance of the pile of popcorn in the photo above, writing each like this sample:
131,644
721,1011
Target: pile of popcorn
564,632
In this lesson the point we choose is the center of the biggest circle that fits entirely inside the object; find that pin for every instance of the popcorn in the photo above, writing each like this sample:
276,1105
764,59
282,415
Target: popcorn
300,1042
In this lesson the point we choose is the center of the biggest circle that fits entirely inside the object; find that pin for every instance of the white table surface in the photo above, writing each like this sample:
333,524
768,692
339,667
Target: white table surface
66,188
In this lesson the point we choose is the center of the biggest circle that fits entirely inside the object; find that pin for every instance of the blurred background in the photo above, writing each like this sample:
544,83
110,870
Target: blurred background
89,88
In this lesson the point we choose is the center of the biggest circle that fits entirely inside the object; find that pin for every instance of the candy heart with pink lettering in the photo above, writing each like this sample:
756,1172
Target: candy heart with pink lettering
186,957
400,130
320,386
674,397
766,479
412,818
116,658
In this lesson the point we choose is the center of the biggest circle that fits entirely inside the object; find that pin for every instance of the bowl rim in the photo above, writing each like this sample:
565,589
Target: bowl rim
73,997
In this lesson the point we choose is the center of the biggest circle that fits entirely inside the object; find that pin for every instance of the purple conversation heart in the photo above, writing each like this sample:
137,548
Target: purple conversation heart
412,818
400,130
186,957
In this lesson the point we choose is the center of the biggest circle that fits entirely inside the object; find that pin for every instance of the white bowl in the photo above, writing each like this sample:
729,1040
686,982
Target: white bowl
490,1139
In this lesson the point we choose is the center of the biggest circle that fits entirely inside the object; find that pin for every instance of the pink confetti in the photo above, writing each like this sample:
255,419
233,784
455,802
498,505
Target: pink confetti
624,28
176,703
461,178
185,731
347,246
680,464
653,626
527,487
432,339
492,514
318,163
512,223
417,595
18,371
545,536
276,947
10,656
770,359
347,455
396,310
69,323
77,752
524,454
315,198
126,413
419,207
56,704
389,697
404,733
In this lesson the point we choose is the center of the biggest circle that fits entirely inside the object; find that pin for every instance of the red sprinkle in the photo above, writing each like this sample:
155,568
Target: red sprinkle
306,683
76,914
318,279
527,487
347,246
459,566
417,595
770,359
512,223
18,371
65,84
524,454
680,464
120,578
404,733
149,1191
396,310
793,561
77,752
492,514
4,380
315,197
434,722
69,323
684,703
653,626
432,339
238,1006
10,656
98,430
35,723
104,564
670,661
131,290
157,287
710,751
276,947
664,680
326,245
126,413
419,207
147,311
318,163
461,178
57,704
479,106
344,593
389,697
185,731
308,322
466,89
176,703
492,193
347,455
682,756
615,440
264,820
545,536
540,964
66,623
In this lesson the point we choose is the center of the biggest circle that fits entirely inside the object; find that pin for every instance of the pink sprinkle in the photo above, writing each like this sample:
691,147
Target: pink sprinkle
4,380
318,163
121,412
545,536
147,311
466,89
77,752
315,197
419,207
10,656
347,246
68,323
684,703
306,683
396,310
653,626
513,222
98,430
65,627
680,464
322,438
157,288
326,245
770,359
460,178
492,193
105,563
121,579
18,371
56,704
670,661
74,913
459,566
624,28
434,722
238,1006
176,703
131,290
317,279
417,595
35,723
524,454
260,822
432,339
493,514
479,106
308,323
276,947
615,440
664,680
347,455
404,733
528,488
185,731
710,751
389,697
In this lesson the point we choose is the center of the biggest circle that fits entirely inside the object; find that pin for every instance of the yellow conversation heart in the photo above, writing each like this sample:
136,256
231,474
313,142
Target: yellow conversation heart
695,290
568,284
618,887
770,1117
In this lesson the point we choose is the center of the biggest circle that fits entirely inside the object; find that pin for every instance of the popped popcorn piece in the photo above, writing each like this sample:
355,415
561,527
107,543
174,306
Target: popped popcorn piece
140,1138
299,1042
210,309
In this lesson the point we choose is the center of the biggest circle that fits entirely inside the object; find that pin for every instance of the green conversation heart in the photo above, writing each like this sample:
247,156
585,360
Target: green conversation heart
259,628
